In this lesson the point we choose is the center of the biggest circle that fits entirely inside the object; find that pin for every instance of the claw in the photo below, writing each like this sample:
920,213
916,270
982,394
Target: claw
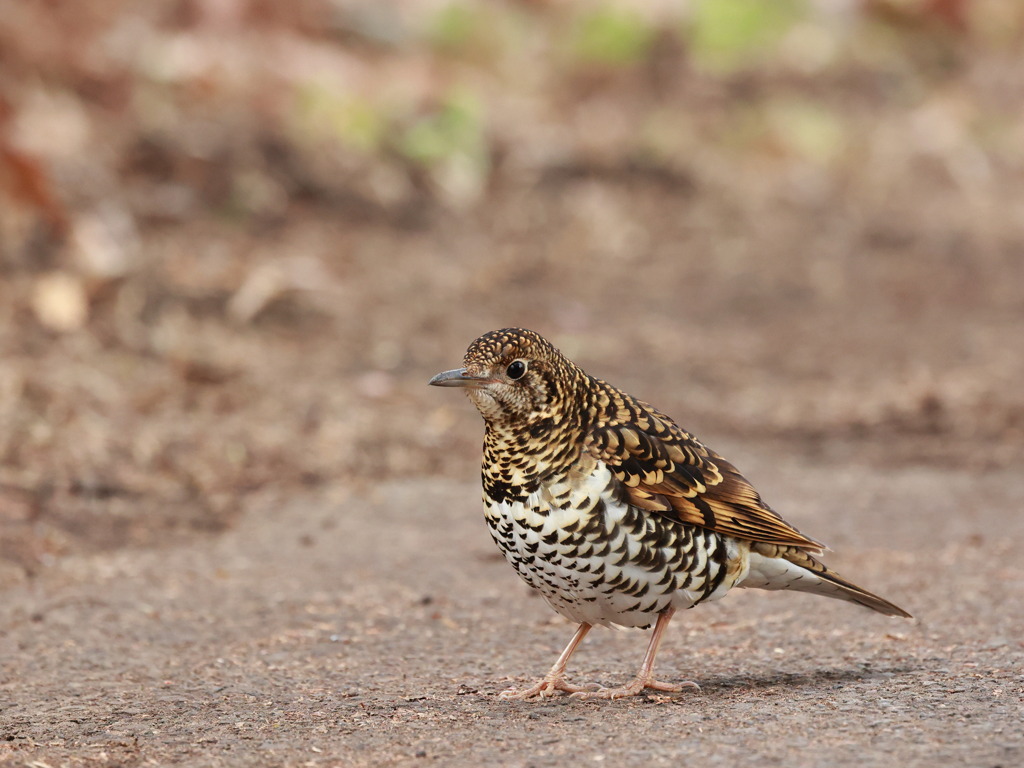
544,689
555,679
632,688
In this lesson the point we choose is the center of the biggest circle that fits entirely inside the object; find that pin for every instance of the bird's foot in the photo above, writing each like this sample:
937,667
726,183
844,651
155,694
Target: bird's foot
635,686
548,686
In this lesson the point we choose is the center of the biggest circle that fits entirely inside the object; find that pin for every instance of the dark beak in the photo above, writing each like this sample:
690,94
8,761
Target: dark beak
457,378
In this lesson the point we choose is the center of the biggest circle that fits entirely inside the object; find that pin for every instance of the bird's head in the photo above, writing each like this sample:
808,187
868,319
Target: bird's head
514,377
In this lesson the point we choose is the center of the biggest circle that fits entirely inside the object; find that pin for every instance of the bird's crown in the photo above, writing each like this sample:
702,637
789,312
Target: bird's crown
508,344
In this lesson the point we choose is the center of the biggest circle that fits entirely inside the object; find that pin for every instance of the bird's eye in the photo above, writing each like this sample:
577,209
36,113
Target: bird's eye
516,369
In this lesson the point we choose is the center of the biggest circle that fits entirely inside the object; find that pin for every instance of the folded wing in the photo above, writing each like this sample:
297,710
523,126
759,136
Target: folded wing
667,471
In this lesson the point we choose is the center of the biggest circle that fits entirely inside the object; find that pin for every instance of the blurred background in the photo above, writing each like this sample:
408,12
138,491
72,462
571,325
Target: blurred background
237,237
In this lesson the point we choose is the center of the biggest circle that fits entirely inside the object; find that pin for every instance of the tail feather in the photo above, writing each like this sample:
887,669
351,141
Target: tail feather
791,568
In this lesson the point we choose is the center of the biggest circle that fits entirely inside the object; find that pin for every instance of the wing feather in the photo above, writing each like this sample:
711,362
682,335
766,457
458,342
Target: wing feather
667,471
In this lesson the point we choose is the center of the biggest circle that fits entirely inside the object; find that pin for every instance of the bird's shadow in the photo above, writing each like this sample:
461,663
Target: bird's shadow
791,680
782,682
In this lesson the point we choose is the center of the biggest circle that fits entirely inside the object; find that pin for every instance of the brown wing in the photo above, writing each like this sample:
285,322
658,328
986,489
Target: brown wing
667,471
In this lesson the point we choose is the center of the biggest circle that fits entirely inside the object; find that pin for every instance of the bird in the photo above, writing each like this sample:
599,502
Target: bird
613,512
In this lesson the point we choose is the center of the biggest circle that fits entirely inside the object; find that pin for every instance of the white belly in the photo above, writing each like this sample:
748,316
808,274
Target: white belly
599,561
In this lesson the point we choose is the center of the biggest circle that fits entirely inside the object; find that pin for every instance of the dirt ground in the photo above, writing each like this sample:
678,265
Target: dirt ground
375,626
236,526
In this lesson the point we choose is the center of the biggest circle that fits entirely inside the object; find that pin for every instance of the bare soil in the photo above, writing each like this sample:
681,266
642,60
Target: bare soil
376,627
237,529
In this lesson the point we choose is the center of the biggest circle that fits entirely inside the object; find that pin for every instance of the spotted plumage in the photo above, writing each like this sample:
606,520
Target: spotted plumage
611,511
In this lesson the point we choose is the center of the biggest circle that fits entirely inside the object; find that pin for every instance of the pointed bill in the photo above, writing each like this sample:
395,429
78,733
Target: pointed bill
457,378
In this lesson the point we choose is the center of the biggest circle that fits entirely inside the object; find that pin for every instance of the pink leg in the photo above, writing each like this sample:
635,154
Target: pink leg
554,680
644,677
